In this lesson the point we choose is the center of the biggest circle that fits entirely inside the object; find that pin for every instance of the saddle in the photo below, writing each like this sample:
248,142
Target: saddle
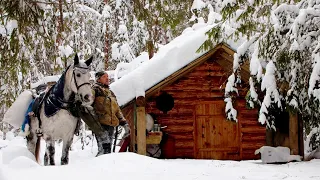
51,108
37,103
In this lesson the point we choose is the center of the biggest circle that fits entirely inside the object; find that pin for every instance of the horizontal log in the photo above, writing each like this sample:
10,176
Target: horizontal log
196,100
248,118
248,115
246,138
209,66
188,101
251,146
196,86
176,106
184,144
220,149
189,117
204,73
182,94
250,156
182,136
176,122
185,153
175,115
255,130
199,87
179,129
251,122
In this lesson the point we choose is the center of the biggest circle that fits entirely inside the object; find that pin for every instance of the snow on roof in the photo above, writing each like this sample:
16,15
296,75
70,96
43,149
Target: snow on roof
170,58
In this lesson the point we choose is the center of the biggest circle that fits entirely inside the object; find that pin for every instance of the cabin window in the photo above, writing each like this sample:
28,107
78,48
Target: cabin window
164,102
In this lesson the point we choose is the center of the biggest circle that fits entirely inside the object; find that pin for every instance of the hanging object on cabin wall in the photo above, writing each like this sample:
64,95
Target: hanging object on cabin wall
164,102
150,122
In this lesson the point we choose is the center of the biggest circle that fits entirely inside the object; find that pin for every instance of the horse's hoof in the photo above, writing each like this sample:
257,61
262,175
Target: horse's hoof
64,162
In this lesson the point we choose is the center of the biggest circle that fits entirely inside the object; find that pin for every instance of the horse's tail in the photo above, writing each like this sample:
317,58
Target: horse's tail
37,151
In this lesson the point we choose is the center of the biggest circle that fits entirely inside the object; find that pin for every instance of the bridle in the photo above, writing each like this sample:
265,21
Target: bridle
81,69
65,104
75,80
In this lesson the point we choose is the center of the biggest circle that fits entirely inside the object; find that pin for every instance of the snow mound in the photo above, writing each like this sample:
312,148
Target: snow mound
17,141
23,162
10,136
10,153
3,143
276,155
2,174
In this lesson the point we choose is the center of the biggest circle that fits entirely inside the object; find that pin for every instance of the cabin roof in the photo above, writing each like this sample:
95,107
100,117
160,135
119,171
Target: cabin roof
172,61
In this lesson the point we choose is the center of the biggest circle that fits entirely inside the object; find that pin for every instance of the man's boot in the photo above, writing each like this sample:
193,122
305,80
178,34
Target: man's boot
100,148
103,143
106,148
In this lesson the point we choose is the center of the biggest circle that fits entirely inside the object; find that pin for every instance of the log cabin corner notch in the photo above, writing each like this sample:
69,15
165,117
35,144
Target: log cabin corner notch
196,126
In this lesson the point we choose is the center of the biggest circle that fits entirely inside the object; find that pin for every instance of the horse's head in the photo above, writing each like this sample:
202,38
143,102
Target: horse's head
79,78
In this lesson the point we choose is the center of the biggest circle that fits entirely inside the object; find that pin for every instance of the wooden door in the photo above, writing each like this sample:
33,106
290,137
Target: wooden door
215,137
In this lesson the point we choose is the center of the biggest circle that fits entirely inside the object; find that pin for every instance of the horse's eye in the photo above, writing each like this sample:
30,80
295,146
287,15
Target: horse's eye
78,75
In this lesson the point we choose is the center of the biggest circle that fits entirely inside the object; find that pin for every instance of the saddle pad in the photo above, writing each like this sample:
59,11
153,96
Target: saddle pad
51,106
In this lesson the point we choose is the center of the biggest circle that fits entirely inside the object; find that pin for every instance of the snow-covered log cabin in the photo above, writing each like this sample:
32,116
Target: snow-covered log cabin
184,90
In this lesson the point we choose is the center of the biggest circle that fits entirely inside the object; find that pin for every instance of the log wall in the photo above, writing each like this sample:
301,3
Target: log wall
204,84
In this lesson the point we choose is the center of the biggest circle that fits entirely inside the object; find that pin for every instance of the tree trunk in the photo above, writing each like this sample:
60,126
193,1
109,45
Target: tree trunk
106,47
60,27
150,48
293,133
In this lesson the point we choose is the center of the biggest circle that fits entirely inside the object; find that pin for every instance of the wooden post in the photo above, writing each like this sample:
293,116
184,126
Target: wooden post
300,132
293,133
141,126
132,147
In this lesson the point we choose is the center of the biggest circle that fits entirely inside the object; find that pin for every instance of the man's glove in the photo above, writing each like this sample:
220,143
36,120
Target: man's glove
127,130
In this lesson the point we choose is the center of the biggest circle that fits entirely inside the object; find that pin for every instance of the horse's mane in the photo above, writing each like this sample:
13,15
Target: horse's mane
57,89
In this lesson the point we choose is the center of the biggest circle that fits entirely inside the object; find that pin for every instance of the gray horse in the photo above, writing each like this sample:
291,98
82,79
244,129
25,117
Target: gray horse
56,117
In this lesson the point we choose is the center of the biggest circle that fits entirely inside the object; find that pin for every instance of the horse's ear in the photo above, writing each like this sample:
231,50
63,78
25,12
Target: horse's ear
76,59
89,61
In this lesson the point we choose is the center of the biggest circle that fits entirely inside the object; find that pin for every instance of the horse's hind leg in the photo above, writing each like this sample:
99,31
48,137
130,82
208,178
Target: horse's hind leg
50,151
65,151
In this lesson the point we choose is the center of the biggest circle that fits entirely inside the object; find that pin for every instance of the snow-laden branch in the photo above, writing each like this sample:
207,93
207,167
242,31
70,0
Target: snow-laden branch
255,65
85,8
314,89
272,95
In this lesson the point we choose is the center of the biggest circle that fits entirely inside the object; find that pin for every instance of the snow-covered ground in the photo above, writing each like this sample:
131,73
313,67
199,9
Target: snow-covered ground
16,164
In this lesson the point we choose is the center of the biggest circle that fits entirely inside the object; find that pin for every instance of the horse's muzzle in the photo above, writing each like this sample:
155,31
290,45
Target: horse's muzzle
87,99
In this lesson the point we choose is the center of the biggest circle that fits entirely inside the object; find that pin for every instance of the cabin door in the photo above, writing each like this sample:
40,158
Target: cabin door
215,137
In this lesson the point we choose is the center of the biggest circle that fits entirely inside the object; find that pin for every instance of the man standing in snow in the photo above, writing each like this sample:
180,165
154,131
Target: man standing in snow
107,112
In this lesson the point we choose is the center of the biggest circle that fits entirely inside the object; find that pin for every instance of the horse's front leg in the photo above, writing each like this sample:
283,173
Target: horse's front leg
65,151
50,151
31,142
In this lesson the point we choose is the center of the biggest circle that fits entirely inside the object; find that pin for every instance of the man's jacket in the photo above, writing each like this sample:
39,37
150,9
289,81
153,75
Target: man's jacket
106,107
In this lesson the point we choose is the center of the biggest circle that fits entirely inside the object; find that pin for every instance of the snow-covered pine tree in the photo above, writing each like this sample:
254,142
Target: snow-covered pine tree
18,19
282,33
